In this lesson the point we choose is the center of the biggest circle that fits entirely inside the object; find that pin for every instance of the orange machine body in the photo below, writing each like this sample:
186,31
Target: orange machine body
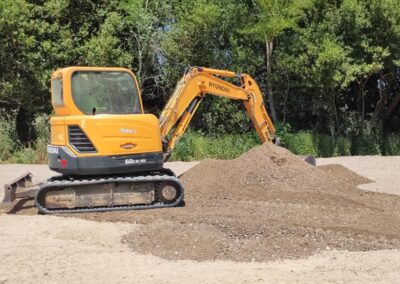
127,136
99,125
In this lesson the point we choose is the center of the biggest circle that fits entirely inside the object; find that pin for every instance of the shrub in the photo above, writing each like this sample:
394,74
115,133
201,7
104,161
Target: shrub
7,137
42,129
197,146
366,145
331,146
310,143
24,156
325,145
392,144
301,143
342,147
366,134
12,151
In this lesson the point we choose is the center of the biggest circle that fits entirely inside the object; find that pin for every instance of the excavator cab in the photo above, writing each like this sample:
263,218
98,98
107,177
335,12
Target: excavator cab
99,125
105,92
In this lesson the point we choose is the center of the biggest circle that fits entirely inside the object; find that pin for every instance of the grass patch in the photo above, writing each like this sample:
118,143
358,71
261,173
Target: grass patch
318,145
197,146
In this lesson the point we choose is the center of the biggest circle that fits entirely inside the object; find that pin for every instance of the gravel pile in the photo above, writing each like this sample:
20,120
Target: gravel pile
265,205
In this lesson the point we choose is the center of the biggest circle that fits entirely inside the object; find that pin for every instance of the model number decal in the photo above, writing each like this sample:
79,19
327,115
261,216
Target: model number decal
127,131
134,161
52,150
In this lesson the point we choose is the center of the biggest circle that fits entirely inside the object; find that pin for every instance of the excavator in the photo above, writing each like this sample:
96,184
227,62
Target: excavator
110,154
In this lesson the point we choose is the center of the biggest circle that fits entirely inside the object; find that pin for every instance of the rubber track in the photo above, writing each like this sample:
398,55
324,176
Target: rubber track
64,183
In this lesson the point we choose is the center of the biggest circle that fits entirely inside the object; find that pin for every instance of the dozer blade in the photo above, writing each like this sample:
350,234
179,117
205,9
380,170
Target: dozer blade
20,189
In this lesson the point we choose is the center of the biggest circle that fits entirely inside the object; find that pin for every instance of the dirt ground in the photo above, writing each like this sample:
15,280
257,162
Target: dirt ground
382,170
48,248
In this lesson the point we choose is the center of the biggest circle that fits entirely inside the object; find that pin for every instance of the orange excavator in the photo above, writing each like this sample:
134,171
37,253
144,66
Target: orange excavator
109,153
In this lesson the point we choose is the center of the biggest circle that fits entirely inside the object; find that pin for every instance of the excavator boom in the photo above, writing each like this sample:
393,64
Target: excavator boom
199,82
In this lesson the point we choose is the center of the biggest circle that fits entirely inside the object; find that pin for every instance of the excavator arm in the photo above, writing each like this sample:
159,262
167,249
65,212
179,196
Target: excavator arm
194,86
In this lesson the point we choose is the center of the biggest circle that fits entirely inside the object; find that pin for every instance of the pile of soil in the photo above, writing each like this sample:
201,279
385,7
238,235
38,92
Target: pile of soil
265,205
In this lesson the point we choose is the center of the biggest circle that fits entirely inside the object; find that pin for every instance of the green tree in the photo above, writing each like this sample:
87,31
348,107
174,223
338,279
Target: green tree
273,18
355,26
104,48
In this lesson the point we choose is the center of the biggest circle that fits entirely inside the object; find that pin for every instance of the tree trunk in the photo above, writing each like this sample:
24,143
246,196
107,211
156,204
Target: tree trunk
362,93
395,102
335,113
269,47
361,101
379,105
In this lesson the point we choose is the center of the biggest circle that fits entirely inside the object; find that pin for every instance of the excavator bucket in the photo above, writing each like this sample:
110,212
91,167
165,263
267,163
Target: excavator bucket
310,159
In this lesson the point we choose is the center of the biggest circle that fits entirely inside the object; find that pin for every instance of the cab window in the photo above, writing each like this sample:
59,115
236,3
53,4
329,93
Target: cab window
57,92
105,92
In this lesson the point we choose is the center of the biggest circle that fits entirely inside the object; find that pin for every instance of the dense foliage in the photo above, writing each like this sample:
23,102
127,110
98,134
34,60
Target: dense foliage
326,66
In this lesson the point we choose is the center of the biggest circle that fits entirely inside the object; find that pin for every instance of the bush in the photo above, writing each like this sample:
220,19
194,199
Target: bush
318,145
24,156
301,143
392,144
42,129
366,134
342,147
366,145
197,146
7,137
12,151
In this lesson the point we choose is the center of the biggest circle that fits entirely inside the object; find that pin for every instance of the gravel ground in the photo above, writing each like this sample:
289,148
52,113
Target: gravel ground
265,205
385,171
48,249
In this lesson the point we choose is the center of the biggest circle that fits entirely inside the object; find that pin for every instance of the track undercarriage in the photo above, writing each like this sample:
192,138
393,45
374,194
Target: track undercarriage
63,194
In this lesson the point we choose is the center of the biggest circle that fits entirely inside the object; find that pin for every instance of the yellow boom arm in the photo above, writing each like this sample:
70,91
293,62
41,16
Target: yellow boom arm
192,88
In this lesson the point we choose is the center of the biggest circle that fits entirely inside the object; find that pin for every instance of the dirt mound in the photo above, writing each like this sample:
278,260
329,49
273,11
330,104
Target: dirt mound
266,204
344,174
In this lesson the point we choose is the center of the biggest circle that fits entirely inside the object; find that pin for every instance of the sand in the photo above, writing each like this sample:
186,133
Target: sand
48,249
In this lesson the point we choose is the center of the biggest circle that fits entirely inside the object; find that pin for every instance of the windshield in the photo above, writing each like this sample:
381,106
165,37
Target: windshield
56,91
105,92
